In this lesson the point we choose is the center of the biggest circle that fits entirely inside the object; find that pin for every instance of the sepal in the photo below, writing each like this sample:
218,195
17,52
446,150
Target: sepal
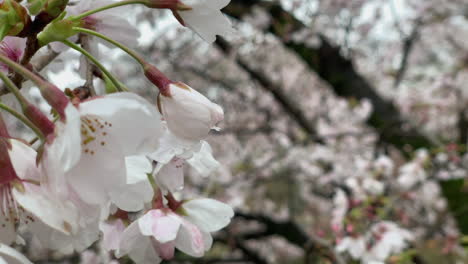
13,18
58,30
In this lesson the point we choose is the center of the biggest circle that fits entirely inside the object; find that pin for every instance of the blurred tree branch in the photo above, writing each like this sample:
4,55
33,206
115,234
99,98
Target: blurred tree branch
292,232
277,91
408,44
337,70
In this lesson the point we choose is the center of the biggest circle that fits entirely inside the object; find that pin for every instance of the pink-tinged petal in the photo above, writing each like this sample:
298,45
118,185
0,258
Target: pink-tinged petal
203,160
208,214
136,124
138,247
112,233
189,114
11,256
170,177
13,48
23,159
163,227
207,240
137,190
165,250
190,240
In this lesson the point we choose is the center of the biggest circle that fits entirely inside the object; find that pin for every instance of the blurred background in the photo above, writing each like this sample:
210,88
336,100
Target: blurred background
345,127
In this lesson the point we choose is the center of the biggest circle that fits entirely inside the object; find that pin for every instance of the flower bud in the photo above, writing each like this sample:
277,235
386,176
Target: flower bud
53,8
47,10
189,114
35,6
13,18
41,121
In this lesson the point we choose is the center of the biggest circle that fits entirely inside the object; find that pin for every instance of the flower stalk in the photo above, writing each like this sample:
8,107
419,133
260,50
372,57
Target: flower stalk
151,72
23,119
88,55
53,95
170,4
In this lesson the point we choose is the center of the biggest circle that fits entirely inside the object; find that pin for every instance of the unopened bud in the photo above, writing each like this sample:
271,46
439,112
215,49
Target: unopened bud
14,18
189,114
40,120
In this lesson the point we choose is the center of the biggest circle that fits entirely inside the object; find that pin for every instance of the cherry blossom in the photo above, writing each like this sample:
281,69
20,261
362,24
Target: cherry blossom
345,122
162,230
189,114
382,240
13,48
23,201
108,136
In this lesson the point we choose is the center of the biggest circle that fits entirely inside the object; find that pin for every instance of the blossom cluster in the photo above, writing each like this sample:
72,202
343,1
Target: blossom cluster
104,166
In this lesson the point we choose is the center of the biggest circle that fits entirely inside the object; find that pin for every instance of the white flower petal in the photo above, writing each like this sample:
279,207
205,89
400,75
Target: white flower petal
190,240
137,191
170,177
203,160
208,214
67,144
136,124
206,19
11,256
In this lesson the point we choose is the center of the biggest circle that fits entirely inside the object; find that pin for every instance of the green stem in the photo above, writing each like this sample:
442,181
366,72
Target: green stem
13,89
117,84
119,45
24,120
102,8
23,71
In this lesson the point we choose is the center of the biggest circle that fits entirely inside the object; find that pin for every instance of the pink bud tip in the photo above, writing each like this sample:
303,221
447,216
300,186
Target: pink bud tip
158,78
40,120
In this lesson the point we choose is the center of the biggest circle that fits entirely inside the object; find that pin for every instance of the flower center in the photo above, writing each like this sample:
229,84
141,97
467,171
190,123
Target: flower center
94,132
11,53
